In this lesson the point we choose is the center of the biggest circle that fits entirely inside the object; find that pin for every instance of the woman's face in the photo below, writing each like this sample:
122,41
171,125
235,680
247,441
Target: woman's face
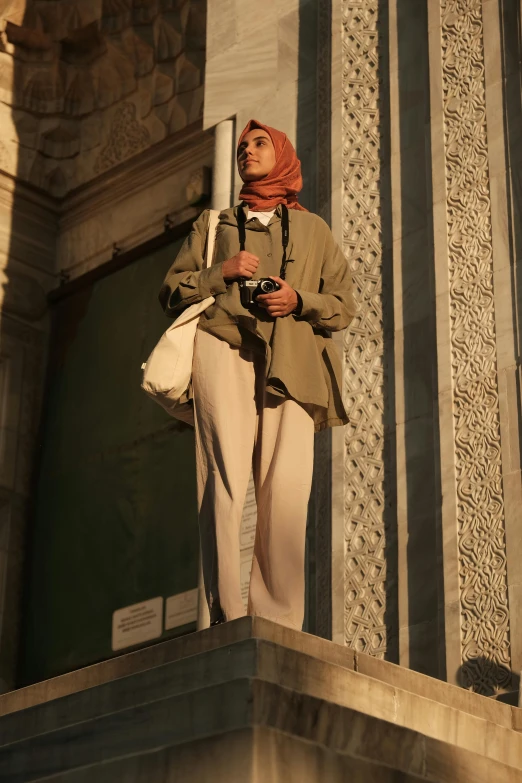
255,155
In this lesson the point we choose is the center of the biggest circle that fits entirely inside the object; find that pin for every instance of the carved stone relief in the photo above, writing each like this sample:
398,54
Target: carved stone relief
89,84
365,565
480,504
127,137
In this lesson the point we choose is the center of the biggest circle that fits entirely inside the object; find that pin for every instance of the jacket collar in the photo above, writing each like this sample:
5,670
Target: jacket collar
229,216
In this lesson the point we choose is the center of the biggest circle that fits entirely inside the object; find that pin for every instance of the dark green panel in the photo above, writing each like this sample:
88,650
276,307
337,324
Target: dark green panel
115,520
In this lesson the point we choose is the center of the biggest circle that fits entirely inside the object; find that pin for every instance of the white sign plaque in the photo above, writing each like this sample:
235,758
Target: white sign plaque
137,623
181,609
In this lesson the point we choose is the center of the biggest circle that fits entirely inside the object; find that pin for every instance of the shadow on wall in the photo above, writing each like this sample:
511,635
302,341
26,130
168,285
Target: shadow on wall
28,247
389,500
417,340
318,540
483,676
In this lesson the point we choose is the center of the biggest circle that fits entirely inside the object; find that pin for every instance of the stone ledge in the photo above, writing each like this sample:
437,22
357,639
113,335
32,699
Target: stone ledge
288,731
436,690
253,673
173,650
265,755
258,628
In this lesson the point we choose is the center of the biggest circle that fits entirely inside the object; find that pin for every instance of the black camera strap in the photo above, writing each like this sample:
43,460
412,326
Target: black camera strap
241,220
285,230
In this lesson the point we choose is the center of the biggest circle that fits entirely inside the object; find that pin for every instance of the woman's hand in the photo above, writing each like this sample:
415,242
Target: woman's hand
241,265
279,303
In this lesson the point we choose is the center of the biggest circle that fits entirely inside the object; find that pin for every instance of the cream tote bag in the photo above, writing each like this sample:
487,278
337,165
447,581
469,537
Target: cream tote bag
167,371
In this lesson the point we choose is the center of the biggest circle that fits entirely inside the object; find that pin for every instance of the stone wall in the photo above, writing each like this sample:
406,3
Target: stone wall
85,85
431,552
44,245
29,227
264,65
411,172
101,150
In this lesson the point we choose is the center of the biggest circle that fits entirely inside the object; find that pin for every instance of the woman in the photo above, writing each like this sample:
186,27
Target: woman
266,374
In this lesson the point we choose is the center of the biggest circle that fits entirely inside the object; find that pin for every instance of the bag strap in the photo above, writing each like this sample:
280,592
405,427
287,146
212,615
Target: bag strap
213,221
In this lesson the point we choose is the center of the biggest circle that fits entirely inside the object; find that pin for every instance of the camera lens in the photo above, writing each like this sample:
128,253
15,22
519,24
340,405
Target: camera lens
267,286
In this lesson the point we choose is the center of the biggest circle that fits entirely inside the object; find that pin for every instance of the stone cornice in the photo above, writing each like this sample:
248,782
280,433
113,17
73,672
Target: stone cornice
183,150
122,209
175,153
136,202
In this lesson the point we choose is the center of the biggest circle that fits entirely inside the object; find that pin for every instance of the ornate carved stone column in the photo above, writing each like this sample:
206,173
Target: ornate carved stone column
367,539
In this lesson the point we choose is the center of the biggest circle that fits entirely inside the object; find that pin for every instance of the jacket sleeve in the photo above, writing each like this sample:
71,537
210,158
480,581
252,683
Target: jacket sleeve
187,282
334,306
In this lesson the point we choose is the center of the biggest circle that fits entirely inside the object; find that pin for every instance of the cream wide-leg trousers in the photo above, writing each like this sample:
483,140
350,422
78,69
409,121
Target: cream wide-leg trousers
239,427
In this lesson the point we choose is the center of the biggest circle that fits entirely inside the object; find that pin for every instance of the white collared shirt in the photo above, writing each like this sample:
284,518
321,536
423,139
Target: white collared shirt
263,217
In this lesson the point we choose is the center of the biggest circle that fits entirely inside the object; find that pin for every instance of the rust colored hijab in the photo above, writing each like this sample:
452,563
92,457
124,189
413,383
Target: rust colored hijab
283,183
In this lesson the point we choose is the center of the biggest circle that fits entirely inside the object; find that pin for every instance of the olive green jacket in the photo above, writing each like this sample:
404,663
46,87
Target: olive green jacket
302,360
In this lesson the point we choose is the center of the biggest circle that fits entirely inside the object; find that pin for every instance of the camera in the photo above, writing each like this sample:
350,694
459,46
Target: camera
249,289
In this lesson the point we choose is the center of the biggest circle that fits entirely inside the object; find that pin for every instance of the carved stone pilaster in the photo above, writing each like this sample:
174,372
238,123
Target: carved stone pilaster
365,537
480,517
